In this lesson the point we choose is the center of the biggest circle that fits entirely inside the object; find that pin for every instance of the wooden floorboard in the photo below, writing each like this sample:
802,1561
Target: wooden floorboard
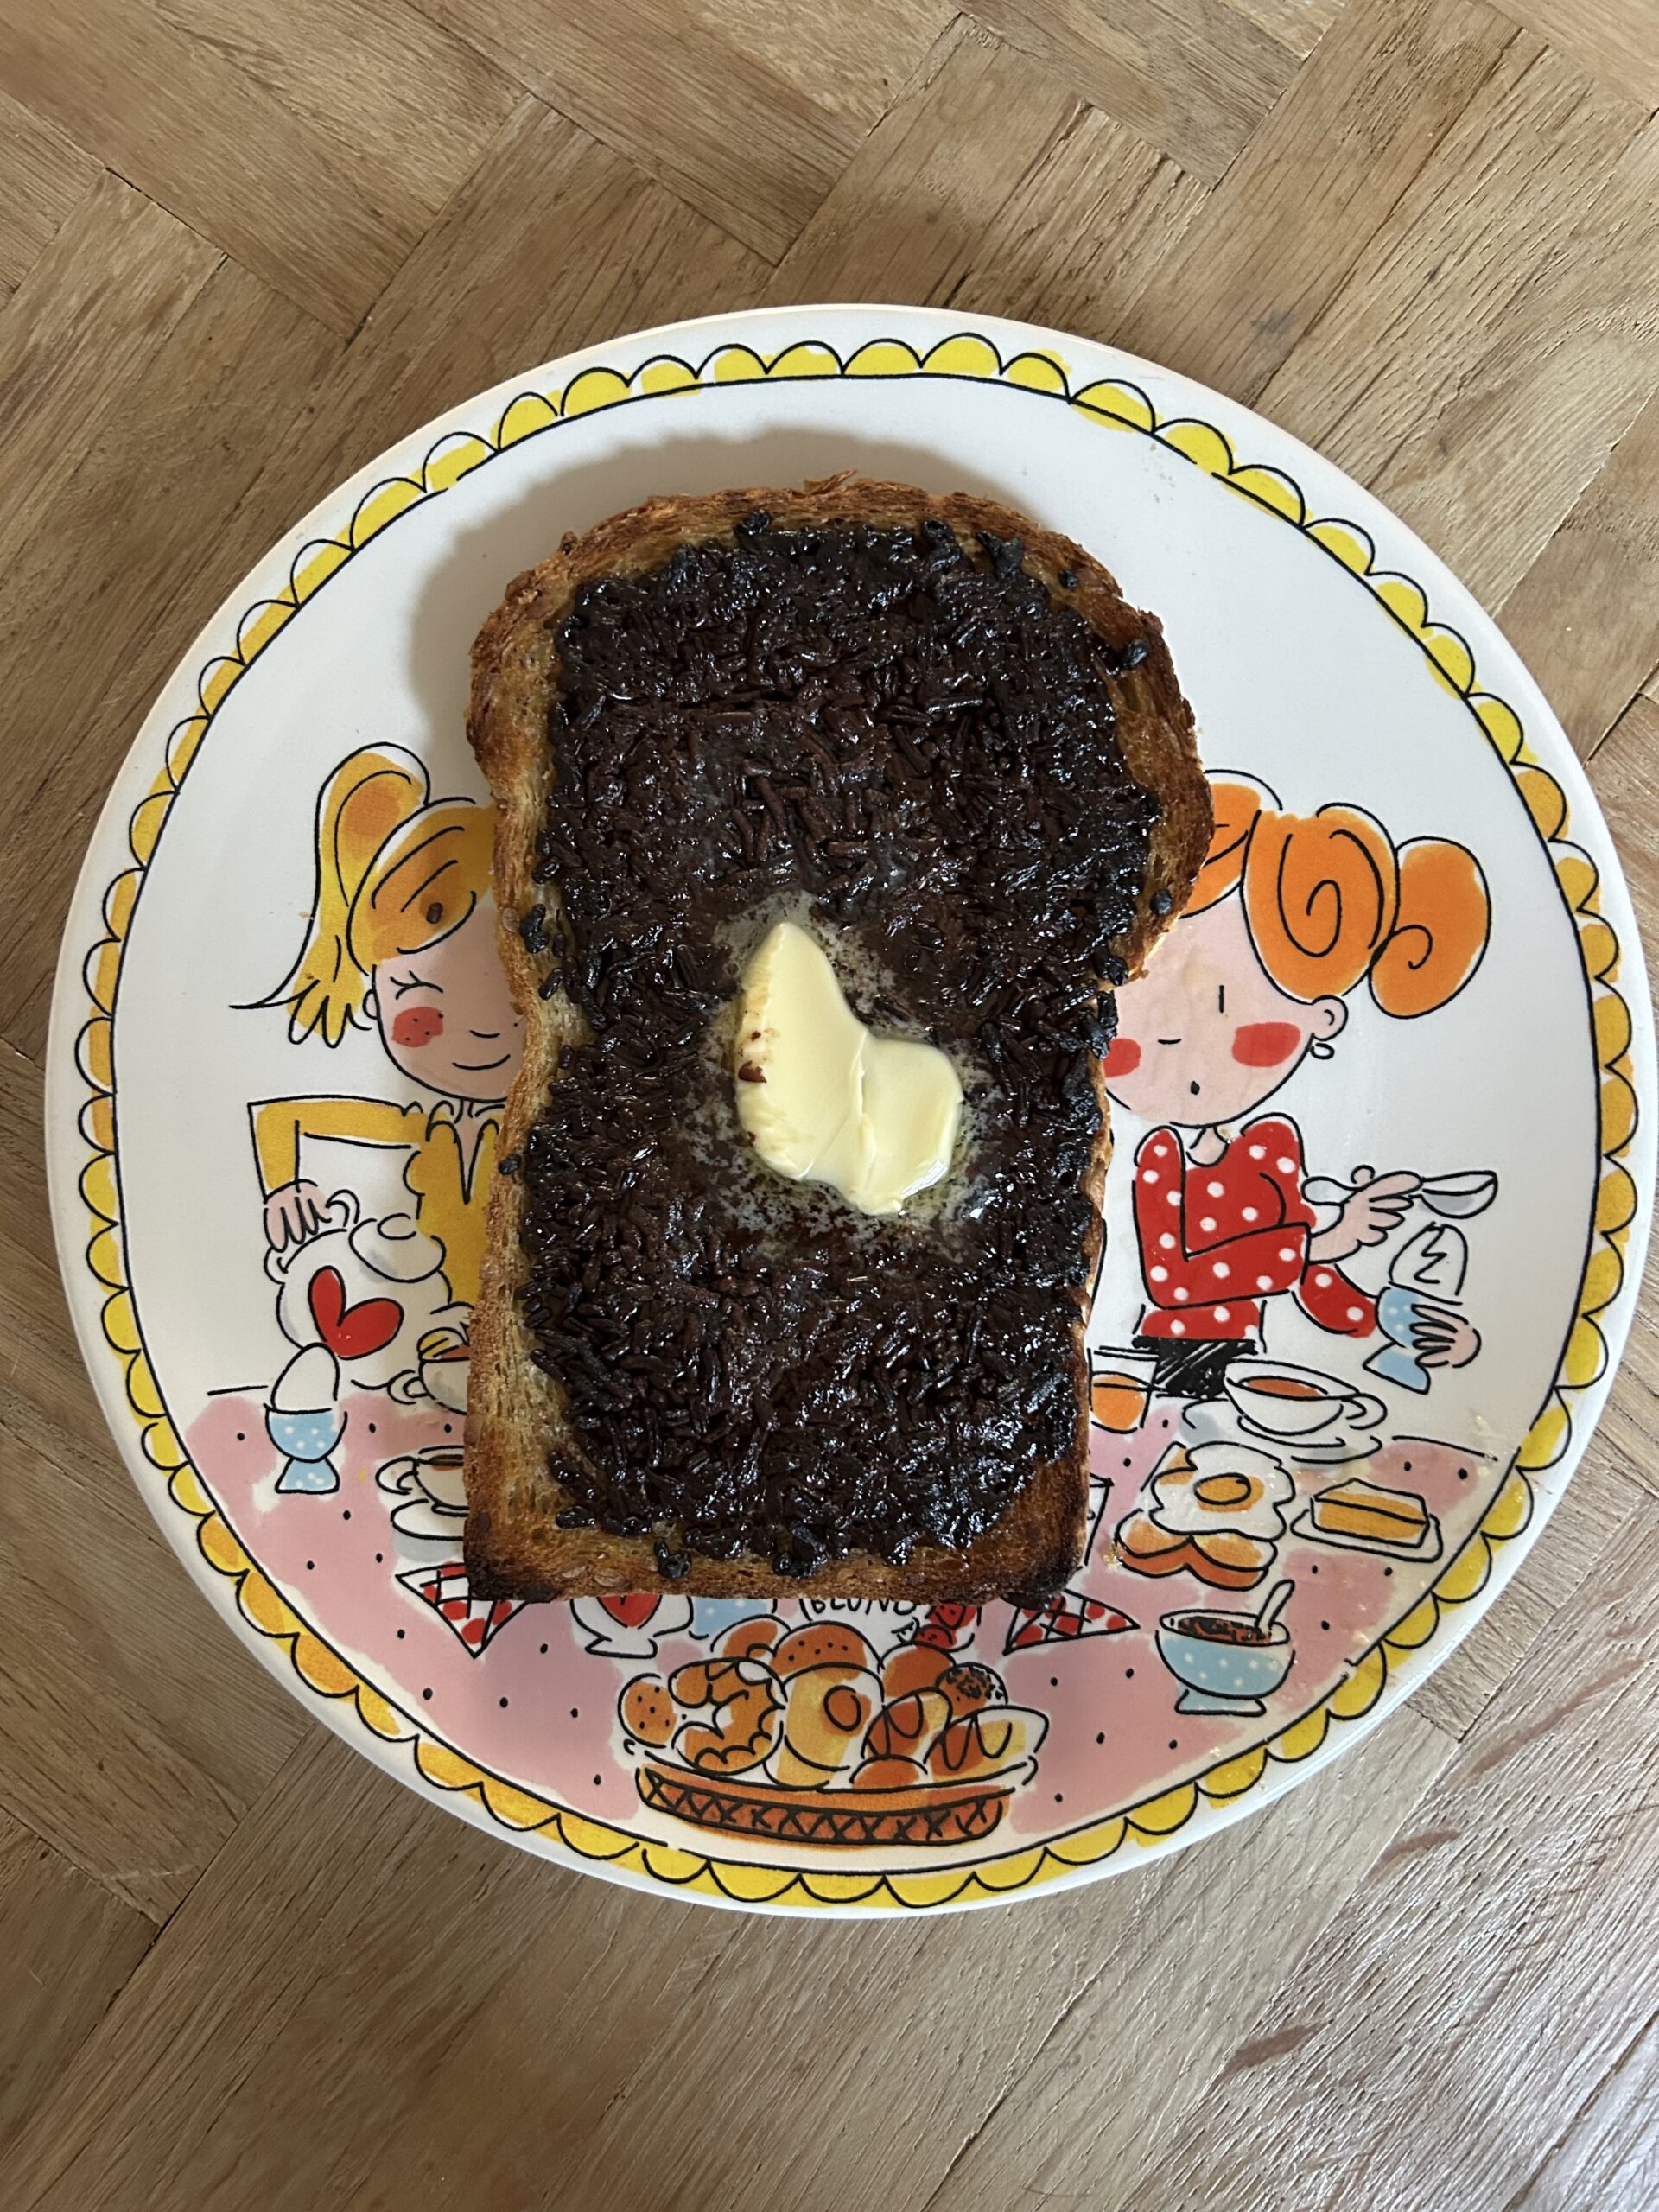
240,253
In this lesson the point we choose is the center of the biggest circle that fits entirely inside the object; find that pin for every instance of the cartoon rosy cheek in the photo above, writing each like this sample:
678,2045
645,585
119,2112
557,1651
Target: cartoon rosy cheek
1266,1044
417,1025
1123,1059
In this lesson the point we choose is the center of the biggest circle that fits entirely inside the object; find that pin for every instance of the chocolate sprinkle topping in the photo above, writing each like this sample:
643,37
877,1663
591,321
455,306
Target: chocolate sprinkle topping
911,750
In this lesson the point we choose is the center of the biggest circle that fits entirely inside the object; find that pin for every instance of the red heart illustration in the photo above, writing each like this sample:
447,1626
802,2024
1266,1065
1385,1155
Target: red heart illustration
350,1332
633,1610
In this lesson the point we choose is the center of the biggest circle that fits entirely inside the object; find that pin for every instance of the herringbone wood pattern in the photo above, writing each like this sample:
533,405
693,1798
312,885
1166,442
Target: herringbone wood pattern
237,1967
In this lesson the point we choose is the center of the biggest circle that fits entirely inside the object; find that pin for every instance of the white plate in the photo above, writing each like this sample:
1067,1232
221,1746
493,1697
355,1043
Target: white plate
1328,655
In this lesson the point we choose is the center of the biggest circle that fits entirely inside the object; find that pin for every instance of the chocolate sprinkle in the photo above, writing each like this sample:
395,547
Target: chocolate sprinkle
910,749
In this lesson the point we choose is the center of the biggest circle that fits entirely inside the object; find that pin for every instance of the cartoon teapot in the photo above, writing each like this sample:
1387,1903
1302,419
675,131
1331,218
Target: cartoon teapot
367,1290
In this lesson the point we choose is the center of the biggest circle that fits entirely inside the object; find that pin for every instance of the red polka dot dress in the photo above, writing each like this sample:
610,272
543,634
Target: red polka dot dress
1217,1241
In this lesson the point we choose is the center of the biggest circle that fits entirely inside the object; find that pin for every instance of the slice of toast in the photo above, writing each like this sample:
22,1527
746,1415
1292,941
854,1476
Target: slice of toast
526,1535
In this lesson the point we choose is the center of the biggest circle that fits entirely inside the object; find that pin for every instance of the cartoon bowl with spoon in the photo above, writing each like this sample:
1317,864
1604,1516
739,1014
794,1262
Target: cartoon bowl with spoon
1226,1662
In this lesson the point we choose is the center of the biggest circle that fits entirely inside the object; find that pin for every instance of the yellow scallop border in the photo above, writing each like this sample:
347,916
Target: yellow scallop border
1112,403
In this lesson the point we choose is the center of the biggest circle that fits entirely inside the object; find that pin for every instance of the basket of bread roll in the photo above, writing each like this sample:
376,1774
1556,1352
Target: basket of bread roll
804,1736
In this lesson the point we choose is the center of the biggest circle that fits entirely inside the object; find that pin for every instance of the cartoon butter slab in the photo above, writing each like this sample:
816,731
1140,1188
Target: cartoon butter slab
1347,1339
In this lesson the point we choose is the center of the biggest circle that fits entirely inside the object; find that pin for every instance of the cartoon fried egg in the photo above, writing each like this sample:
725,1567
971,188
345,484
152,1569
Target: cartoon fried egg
1214,1486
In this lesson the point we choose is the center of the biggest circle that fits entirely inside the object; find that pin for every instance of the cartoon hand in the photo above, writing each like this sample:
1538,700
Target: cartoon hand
293,1213
1373,1210
1442,1338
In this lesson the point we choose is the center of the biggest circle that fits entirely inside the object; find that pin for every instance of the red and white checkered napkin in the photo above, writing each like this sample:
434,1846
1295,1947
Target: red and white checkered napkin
1064,1618
474,1620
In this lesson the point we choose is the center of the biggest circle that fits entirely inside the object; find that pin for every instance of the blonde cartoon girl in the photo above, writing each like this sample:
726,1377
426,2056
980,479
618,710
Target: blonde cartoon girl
1290,914
401,940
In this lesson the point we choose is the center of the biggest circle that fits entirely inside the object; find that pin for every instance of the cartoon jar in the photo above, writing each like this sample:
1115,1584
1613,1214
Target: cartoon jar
368,1290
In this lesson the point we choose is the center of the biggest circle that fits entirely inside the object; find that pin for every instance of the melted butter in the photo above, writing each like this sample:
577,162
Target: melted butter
823,1098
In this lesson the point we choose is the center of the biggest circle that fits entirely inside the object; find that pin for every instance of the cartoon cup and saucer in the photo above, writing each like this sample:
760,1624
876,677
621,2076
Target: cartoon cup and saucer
442,1371
1316,1417
433,1509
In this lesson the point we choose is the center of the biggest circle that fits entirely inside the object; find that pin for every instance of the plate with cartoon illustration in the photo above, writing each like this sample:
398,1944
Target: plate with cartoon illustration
1382,1109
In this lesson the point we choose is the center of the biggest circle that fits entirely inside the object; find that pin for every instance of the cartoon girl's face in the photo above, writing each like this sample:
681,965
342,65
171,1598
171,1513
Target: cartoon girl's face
445,1014
1206,1034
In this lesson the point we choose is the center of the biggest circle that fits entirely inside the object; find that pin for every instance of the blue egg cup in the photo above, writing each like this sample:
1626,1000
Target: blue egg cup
1396,1312
307,1439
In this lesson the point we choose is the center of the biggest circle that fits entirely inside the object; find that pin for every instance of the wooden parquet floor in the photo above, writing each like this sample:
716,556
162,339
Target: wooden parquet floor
238,1967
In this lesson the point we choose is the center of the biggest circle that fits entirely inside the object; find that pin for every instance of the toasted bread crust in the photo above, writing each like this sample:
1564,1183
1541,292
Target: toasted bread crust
514,1546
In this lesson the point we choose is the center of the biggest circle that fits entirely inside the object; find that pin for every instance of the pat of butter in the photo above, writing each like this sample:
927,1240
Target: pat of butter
827,1101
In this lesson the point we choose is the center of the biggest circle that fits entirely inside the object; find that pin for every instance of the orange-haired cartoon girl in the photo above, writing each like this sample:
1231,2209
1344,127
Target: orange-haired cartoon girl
401,939
1290,913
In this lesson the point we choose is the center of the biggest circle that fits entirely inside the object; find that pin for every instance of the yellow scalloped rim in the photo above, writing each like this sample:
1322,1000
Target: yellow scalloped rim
1119,405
